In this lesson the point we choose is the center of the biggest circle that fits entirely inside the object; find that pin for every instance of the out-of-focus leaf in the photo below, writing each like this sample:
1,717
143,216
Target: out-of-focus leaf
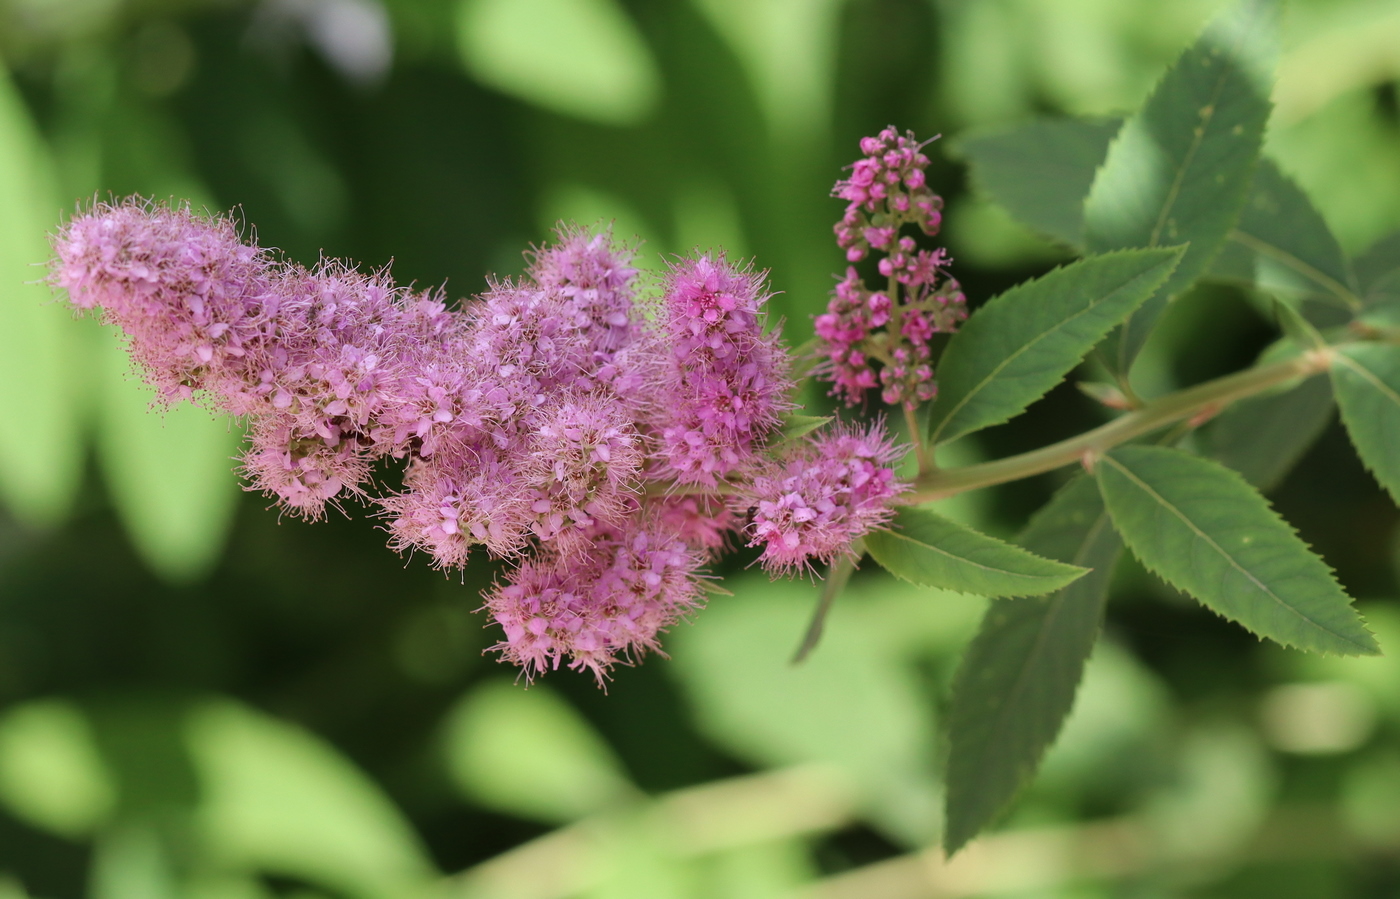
923,548
854,703
1041,171
1282,243
529,753
1180,168
1203,530
1017,682
1218,795
276,799
51,773
1023,342
580,57
131,863
1367,380
1263,437
170,471
40,372
1378,271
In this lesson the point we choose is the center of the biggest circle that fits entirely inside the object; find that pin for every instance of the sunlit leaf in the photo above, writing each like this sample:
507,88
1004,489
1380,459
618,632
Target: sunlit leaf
1281,242
1205,531
40,371
51,773
1018,680
854,704
275,798
1263,437
529,753
171,471
923,548
580,57
130,862
1367,381
1018,346
1041,171
1179,170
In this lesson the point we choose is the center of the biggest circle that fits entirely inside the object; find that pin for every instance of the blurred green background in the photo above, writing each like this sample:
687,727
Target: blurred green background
200,698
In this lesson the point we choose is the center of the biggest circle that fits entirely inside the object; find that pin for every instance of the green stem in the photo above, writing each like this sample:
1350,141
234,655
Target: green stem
1087,447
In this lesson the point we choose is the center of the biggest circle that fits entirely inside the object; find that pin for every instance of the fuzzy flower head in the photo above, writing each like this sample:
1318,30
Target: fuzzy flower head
831,491
596,610
188,293
727,383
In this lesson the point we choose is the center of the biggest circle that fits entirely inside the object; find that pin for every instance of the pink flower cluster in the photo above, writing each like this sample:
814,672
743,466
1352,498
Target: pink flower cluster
807,505
886,191
607,453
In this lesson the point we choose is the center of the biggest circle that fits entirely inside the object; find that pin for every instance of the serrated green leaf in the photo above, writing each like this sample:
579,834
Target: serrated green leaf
1180,168
1202,529
925,549
1023,342
1041,171
1367,380
1378,271
1282,243
1017,682
1263,437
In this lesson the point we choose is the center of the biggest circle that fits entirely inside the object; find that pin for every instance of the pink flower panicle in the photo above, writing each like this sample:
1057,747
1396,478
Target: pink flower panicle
726,385
887,190
834,489
549,421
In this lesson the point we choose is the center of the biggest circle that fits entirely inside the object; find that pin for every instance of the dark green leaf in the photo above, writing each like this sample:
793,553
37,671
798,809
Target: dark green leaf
1180,168
1263,437
1367,380
1041,171
926,549
1378,271
1203,530
1282,243
1022,343
1017,682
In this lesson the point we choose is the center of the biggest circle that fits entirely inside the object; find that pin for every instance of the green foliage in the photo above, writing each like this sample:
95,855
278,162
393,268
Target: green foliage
1367,381
1019,677
1263,437
579,57
40,368
1180,169
1201,528
275,798
51,772
1022,343
529,753
1282,243
796,426
169,470
1378,271
925,549
1041,171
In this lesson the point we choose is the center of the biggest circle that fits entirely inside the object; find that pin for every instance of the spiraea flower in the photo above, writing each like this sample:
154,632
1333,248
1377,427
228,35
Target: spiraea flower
604,454
832,490
881,338
726,385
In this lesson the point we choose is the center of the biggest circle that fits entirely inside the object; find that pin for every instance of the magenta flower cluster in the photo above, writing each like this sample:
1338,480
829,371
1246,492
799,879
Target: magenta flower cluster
893,327
608,454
